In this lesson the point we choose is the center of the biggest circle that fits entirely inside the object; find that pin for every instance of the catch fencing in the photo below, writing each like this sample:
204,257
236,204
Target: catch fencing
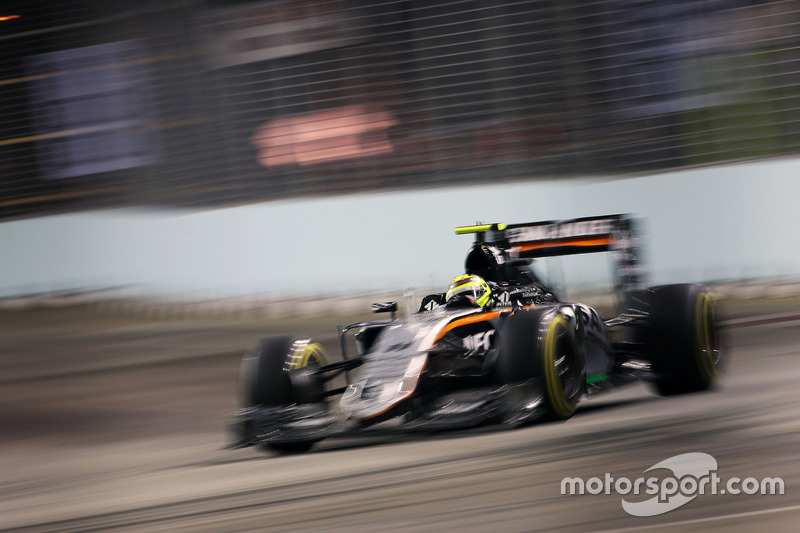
217,103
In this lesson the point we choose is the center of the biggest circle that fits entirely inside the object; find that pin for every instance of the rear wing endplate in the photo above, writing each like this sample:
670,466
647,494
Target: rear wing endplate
610,233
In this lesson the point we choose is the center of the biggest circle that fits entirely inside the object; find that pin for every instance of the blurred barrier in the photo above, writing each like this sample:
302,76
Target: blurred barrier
134,303
217,103
700,225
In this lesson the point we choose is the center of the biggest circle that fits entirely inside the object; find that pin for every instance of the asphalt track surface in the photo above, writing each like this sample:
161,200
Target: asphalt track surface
117,423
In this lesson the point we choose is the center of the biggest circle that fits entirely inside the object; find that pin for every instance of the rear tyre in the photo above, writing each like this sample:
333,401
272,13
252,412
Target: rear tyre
545,344
275,373
683,338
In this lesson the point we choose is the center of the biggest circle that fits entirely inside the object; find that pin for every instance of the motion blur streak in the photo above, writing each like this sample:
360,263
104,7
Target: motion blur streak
417,93
288,145
310,139
122,431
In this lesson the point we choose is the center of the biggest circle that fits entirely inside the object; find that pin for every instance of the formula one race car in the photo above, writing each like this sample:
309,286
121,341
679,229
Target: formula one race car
522,357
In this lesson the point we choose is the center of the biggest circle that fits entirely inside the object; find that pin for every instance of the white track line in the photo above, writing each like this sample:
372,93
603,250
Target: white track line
703,520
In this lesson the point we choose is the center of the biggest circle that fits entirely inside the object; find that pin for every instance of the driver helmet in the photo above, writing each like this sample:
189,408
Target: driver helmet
468,287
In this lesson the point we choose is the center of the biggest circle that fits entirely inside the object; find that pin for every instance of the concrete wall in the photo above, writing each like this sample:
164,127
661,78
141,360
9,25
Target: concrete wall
727,222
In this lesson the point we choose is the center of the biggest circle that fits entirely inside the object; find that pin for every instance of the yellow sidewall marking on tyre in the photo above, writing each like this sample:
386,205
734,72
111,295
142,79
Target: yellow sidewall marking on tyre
704,349
305,353
555,391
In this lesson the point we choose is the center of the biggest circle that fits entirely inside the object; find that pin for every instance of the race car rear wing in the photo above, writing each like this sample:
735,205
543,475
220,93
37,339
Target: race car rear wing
611,233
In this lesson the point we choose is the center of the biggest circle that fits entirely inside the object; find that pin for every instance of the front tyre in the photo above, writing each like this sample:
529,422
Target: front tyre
545,344
278,372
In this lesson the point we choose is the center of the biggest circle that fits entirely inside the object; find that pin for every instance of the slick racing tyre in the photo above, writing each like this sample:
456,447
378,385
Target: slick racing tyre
276,372
545,344
683,338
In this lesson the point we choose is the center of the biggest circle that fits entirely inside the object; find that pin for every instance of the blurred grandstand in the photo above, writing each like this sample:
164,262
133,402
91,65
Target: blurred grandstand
213,103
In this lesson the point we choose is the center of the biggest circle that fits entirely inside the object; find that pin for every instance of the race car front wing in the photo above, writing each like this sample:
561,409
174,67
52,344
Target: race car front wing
292,423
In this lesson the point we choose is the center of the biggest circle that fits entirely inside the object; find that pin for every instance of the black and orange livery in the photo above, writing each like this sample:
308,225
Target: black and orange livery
526,356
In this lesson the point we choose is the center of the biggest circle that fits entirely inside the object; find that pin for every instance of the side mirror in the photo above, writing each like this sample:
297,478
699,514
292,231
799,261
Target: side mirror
385,307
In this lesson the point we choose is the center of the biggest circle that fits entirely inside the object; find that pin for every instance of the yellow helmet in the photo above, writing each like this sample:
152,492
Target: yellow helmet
474,288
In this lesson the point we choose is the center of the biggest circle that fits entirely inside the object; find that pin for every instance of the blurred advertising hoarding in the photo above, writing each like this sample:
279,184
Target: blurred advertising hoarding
270,30
89,107
324,136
